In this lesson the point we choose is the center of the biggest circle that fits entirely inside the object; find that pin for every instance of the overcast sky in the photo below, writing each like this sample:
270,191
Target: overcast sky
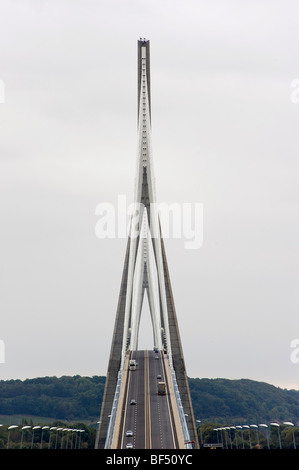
225,134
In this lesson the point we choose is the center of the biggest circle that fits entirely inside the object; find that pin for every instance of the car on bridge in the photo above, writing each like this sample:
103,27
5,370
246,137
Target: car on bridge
129,433
133,402
129,445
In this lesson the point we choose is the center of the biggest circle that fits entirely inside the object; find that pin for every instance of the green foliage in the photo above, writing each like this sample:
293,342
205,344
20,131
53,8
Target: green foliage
242,400
63,398
215,400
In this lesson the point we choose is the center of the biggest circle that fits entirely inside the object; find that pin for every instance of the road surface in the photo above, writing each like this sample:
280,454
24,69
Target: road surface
150,419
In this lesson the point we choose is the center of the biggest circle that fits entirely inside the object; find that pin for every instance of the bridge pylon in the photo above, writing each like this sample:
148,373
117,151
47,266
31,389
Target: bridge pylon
145,268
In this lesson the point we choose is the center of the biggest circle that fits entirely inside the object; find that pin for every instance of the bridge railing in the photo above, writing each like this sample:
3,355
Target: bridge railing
182,418
181,414
111,427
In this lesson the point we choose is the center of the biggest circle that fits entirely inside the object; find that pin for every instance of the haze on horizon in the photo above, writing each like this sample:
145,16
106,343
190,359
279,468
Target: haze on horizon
225,134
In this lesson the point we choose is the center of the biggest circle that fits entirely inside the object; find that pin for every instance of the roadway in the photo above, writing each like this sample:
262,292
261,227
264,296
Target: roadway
150,419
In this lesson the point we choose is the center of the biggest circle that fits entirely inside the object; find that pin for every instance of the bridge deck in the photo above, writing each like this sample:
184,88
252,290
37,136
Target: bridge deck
150,419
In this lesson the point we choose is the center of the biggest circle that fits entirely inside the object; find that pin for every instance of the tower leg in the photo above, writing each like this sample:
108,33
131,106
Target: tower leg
177,355
114,360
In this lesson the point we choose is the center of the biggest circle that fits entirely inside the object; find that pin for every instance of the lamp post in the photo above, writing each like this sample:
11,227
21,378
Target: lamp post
267,433
76,441
72,440
200,430
33,429
230,436
51,429
80,430
225,435
248,427
67,437
277,425
234,427
288,423
56,440
24,427
216,429
13,426
221,435
257,433
41,440
63,430
241,429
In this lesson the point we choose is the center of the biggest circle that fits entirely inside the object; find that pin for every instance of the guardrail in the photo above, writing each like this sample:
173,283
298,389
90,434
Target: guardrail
111,426
181,414
182,418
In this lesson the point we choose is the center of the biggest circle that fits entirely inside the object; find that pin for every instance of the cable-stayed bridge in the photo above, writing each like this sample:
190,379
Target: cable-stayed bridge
146,402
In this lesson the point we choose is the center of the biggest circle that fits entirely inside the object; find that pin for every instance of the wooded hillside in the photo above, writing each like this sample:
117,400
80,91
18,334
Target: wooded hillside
80,398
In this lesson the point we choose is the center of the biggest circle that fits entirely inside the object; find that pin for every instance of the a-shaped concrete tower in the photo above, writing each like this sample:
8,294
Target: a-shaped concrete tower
145,268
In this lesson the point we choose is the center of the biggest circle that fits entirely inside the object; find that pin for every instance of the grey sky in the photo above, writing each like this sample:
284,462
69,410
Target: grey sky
225,133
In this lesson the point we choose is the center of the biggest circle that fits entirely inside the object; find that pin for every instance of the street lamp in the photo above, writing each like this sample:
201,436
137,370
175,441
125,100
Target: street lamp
248,427
51,429
72,440
257,433
288,423
34,428
234,427
277,425
58,429
76,440
230,436
41,440
216,429
221,435
225,435
13,426
241,429
63,430
24,427
80,430
67,438
267,433
200,430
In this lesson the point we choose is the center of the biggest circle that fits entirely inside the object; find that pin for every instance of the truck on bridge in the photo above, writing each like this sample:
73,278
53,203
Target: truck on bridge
161,388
